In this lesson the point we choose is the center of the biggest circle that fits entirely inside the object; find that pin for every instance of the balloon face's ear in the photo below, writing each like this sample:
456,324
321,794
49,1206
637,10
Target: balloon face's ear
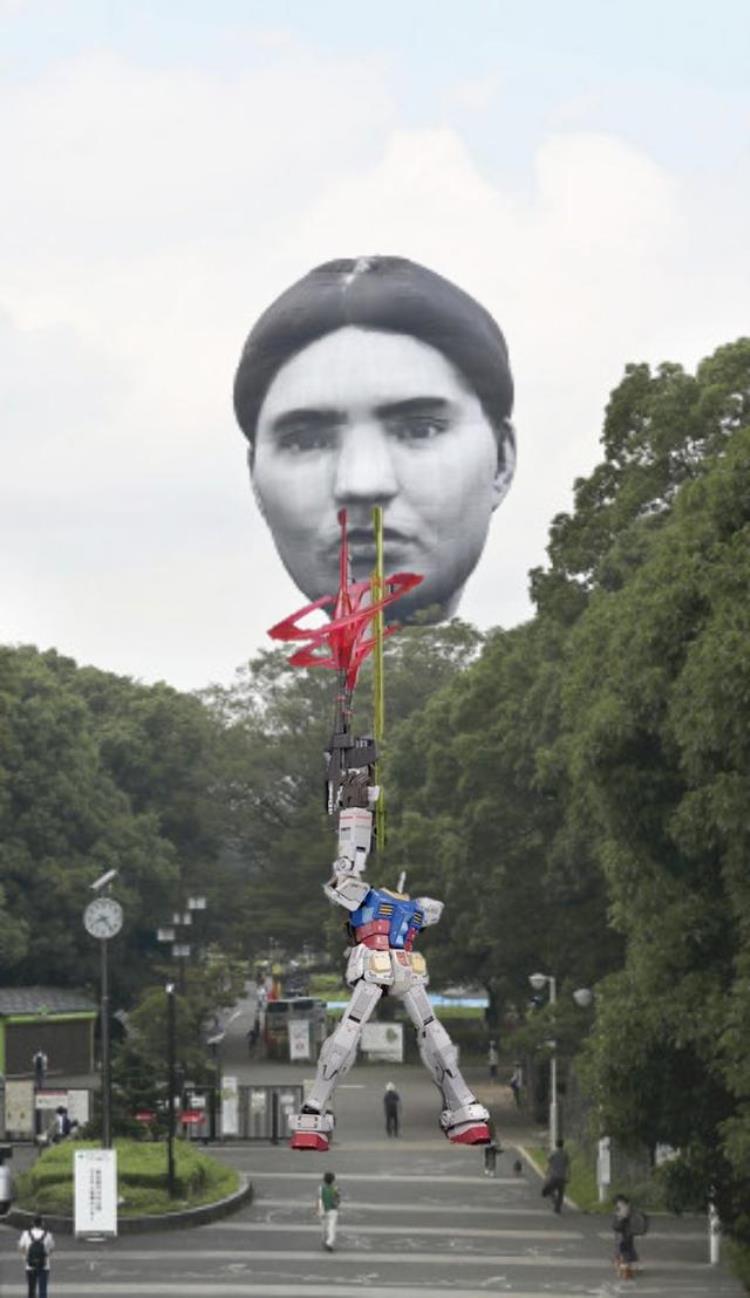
506,462
253,482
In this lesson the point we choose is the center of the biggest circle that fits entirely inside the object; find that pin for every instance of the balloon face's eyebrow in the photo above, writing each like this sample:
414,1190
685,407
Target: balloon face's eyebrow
424,406
307,416
330,417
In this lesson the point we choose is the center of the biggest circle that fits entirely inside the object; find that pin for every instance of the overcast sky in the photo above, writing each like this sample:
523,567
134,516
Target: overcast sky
167,168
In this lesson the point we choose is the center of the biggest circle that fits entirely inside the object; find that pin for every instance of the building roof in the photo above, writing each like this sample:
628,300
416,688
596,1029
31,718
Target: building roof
44,1000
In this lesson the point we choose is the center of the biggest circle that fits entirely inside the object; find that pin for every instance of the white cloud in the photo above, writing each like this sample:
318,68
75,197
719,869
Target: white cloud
150,217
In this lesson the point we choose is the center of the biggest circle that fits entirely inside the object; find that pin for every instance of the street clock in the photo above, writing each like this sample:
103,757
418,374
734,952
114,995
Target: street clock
103,917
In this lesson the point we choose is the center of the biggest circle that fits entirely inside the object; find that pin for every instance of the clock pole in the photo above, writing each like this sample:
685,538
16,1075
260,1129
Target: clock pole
103,919
106,1076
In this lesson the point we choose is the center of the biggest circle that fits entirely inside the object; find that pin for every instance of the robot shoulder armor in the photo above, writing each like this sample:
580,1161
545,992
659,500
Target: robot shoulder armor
431,909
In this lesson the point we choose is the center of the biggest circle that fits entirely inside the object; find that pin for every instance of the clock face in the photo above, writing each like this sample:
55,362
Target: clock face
103,917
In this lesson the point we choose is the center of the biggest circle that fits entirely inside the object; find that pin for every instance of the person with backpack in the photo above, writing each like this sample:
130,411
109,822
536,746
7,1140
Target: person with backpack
36,1244
62,1125
627,1223
328,1209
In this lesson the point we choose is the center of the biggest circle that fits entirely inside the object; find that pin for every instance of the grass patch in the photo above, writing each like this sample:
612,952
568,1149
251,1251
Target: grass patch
582,1188
739,1261
141,1175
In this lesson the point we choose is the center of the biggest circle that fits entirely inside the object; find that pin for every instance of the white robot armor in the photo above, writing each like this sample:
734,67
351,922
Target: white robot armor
384,925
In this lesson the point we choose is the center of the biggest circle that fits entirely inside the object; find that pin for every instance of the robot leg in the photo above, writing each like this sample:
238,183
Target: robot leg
312,1126
464,1121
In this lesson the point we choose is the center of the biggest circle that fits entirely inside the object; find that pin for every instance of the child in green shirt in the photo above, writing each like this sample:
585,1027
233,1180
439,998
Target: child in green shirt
328,1209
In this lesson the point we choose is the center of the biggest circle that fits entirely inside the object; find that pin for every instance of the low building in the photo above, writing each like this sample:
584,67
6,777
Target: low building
59,1021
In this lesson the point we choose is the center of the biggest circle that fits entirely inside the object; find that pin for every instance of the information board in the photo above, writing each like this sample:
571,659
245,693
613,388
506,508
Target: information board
230,1107
95,1192
299,1039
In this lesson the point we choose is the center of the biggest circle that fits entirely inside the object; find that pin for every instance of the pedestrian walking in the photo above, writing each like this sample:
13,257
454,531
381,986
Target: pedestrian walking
6,1185
62,1125
627,1223
40,1063
36,1244
516,1084
493,1059
392,1105
491,1151
328,1209
558,1175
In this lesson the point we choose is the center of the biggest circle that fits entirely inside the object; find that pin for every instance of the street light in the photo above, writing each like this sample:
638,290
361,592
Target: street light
171,1051
539,981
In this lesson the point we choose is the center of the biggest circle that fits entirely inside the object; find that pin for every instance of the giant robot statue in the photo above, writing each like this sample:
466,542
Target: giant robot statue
383,924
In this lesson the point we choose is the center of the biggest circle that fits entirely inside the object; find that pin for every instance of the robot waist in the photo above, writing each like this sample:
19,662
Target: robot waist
377,936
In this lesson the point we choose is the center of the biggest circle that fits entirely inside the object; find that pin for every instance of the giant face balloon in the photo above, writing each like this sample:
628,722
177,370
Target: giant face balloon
378,382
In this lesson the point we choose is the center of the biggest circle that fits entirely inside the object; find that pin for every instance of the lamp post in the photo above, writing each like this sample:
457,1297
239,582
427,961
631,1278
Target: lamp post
584,999
171,1052
539,981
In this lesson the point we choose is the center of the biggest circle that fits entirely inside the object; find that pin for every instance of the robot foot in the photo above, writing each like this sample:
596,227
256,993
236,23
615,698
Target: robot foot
311,1130
468,1125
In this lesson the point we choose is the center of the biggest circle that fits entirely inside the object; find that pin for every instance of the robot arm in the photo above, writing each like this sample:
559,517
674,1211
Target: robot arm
431,910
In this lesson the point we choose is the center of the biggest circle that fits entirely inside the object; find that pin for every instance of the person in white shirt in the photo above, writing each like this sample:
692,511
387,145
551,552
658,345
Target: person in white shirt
36,1244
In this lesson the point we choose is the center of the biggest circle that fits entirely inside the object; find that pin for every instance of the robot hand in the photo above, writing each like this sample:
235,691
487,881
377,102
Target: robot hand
344,868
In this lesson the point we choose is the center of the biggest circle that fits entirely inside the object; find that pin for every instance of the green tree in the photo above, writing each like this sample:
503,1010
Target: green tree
481,823
268,792
657,706
63,821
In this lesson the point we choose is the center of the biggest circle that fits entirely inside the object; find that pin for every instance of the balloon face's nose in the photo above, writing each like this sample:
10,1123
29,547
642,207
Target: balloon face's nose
365,473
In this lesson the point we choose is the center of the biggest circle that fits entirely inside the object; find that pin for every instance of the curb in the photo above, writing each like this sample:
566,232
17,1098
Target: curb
185,1219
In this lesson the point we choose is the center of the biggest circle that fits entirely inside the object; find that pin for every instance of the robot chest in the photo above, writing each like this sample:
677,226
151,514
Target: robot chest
392,921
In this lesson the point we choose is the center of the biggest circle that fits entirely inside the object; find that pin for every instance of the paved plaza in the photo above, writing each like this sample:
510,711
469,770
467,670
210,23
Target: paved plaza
418,1217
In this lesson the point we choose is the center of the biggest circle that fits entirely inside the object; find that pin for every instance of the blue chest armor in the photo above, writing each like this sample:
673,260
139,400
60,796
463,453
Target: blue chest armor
401,915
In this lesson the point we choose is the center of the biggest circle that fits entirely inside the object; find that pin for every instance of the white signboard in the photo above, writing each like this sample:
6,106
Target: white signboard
19,1108
384,1041
230,1107
299,1038
95,1192
51,1099
78,1107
